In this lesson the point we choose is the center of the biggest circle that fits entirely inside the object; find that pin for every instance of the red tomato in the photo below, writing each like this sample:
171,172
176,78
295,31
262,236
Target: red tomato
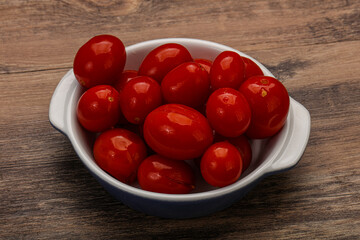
221,164
177,131
205,63
124,78
251,69
228,112
99,61
186,84
98,108
163,59
269,102
139,97
243,146
119,152
164,175
227,71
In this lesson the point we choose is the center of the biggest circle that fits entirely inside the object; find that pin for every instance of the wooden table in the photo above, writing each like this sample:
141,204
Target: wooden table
313,47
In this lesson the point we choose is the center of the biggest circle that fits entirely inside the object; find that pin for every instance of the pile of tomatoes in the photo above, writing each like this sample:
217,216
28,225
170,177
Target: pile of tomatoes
174,109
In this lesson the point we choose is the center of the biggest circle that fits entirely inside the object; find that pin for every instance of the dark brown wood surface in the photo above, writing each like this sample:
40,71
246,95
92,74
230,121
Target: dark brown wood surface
313,47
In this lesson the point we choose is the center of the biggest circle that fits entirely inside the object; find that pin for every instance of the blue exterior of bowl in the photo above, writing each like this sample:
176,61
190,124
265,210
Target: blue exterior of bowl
177,209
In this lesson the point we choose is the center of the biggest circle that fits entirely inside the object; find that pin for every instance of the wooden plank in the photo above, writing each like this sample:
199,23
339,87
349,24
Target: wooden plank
313,47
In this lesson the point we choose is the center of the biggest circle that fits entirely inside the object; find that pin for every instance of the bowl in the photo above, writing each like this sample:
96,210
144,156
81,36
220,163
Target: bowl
270,156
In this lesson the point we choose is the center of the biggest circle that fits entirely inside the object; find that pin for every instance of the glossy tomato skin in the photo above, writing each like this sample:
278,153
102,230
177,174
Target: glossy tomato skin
177,131
139,97
228,112
163,59
243,146
123,79
99,61
227,70
269,102
187,84
164,175
205,63
221,164
251,69
98,108
119,152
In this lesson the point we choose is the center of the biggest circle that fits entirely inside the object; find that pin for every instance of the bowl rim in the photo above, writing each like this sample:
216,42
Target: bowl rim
262,170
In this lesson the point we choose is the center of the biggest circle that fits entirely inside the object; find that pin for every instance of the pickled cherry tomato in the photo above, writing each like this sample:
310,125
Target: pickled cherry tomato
177,131
163,59
119,152
99,61
269,102
139,97
187,84
227,70
221,164
98,108
228,112
164,175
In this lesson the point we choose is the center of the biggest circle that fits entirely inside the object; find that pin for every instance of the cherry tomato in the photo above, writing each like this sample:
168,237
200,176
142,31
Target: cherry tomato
221,164
177,131
99,61
119,152
251,69
243,146
228,112
186,84
164,175
227,71
269,103
139,97
124,78
205,63
98,108
163,59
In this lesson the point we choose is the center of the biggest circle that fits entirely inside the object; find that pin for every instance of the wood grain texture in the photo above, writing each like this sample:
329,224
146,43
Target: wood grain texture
313,47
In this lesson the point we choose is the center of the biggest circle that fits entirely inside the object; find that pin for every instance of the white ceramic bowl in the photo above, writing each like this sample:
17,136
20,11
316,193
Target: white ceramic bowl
270,156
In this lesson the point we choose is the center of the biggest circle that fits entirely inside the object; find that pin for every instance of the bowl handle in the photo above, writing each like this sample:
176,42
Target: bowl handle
297,139
58,103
